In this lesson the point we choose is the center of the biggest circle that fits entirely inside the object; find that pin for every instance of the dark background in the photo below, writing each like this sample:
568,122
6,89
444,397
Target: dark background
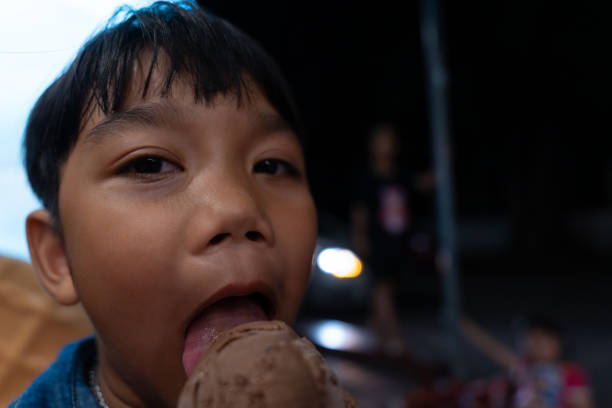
529,91
528,98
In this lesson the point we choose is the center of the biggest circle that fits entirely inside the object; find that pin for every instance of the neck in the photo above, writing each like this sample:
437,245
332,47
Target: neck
103,392
95,387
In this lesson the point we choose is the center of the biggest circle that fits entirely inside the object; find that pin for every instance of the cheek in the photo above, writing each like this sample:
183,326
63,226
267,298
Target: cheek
296,236
122,258
118,254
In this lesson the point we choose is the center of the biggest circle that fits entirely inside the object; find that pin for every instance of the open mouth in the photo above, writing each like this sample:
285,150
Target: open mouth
224,314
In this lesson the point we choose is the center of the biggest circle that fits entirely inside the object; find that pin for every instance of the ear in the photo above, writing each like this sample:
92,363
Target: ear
49,257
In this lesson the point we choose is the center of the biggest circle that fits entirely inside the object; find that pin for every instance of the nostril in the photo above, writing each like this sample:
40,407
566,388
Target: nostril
254,236
218,238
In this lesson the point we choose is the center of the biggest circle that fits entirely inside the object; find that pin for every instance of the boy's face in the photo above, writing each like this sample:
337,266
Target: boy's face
170,208
384,144
542,346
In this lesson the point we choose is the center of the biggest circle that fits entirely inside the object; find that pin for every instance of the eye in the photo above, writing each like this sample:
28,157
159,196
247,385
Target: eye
275,167
148,165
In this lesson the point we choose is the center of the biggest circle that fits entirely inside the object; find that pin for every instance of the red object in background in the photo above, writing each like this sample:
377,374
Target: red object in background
444,393
494,392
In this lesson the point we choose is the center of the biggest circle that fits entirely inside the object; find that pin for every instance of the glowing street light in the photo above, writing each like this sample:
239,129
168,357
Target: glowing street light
339,262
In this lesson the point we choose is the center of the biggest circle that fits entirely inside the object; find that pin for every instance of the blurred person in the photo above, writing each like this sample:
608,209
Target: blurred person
381,219
538,377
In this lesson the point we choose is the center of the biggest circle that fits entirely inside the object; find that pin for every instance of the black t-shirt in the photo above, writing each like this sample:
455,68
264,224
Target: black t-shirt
388,202
390,218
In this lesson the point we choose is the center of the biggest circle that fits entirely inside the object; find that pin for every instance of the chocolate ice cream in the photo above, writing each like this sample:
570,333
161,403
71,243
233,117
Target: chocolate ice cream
262,364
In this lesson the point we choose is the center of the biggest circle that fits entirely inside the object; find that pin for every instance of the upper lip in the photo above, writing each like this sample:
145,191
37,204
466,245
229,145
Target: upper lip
262,290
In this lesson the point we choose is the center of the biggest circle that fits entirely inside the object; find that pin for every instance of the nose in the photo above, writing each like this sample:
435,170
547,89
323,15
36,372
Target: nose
226,211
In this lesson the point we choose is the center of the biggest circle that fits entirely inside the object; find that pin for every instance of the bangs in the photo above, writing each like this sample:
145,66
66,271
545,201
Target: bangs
179,40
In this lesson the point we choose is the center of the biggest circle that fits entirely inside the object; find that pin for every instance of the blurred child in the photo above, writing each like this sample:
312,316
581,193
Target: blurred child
539,378
381,223
168,160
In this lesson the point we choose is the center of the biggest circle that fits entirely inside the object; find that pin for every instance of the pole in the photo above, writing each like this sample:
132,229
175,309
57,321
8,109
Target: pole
437,79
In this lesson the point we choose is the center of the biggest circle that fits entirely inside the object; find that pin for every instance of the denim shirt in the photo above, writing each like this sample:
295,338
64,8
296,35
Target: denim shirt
65,383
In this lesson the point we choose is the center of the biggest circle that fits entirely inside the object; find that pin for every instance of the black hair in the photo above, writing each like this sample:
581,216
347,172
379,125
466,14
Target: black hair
382,126
526,324
216,56
543,324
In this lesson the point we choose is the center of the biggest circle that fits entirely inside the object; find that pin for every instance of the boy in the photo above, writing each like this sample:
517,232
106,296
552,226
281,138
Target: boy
176,202
539,378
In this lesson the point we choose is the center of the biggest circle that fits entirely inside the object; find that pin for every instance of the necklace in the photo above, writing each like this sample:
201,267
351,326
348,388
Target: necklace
95,388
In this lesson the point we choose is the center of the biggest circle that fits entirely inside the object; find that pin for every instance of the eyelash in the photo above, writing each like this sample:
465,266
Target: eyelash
158,163
263,166
267,166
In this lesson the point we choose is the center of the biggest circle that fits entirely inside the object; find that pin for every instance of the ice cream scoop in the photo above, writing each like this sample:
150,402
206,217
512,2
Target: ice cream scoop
262,364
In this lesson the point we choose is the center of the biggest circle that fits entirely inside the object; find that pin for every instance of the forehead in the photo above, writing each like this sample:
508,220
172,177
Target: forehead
177,106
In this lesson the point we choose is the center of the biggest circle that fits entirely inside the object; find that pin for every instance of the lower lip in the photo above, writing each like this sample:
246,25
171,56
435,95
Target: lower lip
223,315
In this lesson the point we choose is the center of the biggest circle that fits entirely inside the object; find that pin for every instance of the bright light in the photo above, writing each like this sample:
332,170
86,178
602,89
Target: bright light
332,335
339,262
339,335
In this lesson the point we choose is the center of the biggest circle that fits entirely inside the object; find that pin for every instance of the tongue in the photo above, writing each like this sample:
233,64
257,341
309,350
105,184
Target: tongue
223,315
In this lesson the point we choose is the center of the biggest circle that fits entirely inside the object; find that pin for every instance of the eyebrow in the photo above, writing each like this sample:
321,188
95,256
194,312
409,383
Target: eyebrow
159,114
151,115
